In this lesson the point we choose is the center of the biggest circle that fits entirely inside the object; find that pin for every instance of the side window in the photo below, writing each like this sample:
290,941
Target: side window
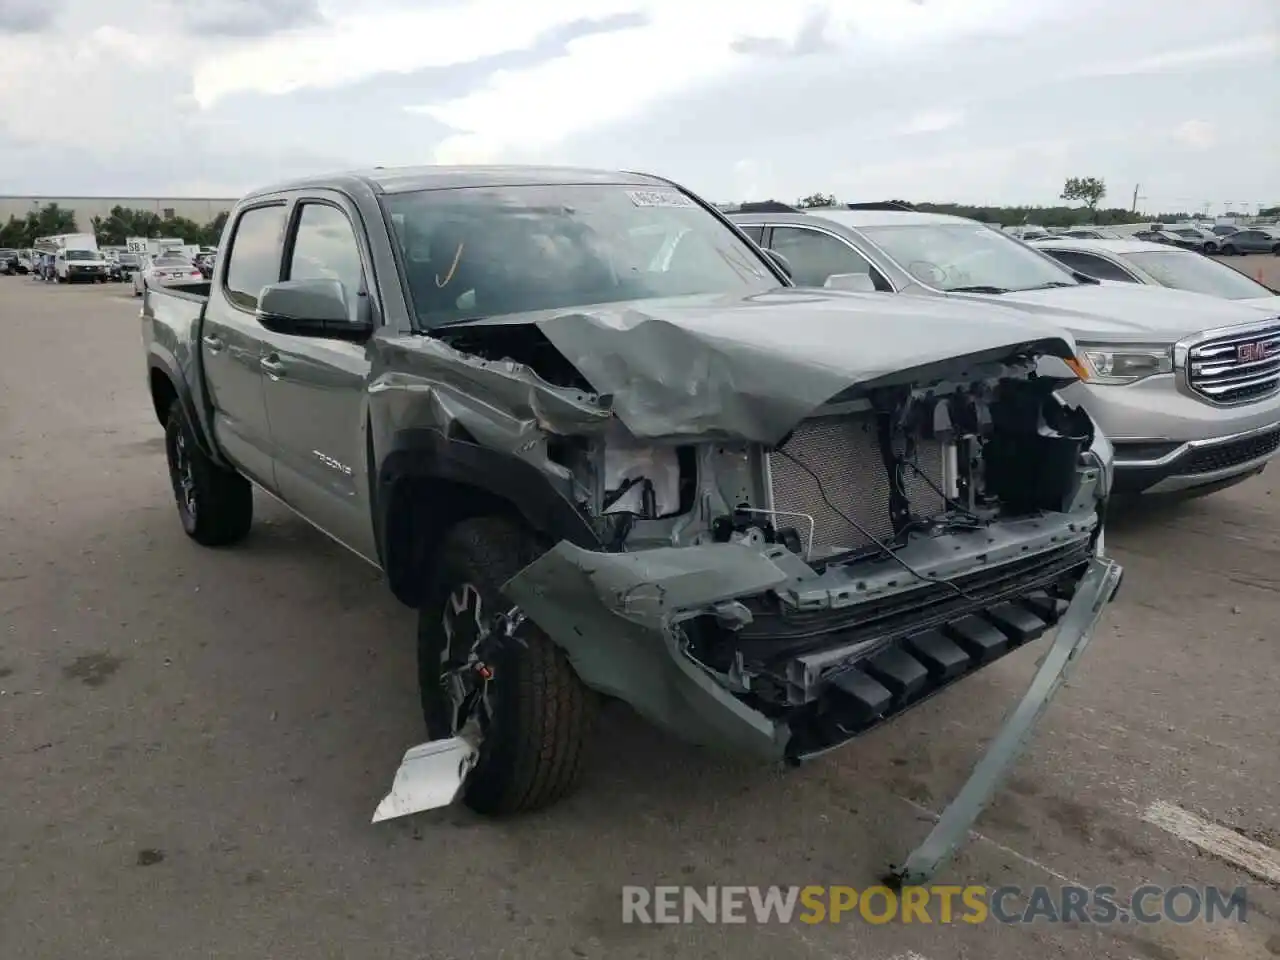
325,248
1091,266
815,256
255,254
753,230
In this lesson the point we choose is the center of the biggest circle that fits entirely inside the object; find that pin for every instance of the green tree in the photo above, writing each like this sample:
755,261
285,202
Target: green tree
817,200
1088,190
53,219
14,233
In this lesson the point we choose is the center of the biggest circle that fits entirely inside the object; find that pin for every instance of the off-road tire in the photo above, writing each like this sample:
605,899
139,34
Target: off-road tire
223,500
542,714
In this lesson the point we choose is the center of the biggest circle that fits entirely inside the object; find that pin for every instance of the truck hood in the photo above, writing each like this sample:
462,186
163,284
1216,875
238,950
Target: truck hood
1126,312
753,367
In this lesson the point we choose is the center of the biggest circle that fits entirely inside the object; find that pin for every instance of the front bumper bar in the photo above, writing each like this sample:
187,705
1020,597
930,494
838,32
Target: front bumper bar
1075,630
1160,467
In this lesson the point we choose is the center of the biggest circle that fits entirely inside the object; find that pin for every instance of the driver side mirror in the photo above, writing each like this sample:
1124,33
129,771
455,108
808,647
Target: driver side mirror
783,263
313,308
860,282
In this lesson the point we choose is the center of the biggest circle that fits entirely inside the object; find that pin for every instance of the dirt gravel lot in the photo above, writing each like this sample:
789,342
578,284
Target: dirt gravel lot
192,742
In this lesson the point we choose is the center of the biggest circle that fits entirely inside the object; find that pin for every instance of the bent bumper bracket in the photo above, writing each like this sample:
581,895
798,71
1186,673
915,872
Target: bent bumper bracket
1095,591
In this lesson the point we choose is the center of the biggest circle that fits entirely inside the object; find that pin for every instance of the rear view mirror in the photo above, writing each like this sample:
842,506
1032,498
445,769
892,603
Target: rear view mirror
783,263
860,282
316,308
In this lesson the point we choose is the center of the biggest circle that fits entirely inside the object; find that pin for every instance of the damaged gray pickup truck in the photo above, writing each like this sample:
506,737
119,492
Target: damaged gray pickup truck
592,434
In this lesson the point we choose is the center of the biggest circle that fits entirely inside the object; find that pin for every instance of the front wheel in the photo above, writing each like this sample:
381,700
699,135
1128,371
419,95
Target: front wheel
215,505
1228,250
535,714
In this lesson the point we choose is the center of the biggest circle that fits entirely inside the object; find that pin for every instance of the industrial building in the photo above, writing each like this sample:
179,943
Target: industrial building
200,209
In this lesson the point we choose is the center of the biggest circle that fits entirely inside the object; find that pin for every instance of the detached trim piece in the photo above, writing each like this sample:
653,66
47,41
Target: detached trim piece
1075,631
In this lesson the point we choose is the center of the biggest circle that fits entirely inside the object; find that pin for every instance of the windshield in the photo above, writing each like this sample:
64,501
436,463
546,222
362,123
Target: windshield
1183,270
967,256
83,255
129,258
487,251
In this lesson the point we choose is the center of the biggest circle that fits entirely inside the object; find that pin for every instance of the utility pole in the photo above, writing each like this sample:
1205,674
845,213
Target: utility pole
1134,208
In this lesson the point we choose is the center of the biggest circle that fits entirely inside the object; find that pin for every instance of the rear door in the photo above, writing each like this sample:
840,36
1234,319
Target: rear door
232,346
316,386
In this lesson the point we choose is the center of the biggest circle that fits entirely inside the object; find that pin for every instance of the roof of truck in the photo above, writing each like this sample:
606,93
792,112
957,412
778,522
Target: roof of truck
410,179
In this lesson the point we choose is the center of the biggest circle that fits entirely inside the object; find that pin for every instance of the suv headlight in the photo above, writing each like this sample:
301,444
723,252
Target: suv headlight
1127,364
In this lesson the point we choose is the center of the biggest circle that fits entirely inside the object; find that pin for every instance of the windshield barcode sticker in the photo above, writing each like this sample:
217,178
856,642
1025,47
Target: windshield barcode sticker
659,198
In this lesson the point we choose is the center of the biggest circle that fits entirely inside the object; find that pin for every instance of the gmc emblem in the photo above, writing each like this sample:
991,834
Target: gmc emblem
1248,352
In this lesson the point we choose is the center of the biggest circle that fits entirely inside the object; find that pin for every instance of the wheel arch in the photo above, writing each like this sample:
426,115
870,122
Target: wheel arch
428,482
166,385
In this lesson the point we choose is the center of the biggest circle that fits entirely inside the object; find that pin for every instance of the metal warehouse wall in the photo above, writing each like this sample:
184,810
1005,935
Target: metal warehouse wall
199,209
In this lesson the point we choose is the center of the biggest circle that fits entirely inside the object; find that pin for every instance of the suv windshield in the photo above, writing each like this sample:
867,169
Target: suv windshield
83,255
967,256
487,251
1184,270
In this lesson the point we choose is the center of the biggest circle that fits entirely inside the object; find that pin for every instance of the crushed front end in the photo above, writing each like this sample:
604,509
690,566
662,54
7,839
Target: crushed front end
783,599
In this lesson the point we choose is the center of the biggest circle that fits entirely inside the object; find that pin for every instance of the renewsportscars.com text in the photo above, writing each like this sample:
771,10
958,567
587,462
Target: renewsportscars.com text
935,904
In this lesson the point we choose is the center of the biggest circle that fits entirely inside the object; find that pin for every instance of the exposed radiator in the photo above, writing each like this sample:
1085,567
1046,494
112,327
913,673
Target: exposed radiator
844,453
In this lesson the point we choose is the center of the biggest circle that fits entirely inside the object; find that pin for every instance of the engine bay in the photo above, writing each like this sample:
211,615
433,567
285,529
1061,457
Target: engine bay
859,477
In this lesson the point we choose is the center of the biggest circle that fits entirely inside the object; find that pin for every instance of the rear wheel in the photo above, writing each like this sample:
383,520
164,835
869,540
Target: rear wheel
215,505
534,713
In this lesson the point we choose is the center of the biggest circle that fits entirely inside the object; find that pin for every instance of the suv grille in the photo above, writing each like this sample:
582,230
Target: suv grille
1236,369
844,453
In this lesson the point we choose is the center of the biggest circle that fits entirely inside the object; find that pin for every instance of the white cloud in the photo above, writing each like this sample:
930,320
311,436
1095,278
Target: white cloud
975,100
1251,48
931,121
606,78
1199,134
359,42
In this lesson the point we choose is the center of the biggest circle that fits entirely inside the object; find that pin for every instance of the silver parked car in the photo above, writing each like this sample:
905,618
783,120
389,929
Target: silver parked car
1253,240
1186,386
1136,261
165,271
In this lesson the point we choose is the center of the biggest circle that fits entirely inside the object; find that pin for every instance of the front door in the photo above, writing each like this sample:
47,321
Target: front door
316,387
231,345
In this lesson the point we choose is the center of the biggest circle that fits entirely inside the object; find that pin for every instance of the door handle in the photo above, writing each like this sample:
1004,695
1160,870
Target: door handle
272,367
213,342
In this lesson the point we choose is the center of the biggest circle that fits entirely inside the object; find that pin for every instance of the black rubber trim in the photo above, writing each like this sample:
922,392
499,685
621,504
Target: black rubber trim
910,669
427,454
182,389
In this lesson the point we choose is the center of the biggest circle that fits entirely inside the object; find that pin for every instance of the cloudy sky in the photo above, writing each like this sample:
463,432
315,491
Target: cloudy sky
971,100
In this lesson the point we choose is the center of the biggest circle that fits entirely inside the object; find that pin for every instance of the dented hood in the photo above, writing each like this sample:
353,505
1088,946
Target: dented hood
754,367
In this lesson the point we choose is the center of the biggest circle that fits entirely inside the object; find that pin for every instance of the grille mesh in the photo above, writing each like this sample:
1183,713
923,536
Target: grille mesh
844,453
1220,371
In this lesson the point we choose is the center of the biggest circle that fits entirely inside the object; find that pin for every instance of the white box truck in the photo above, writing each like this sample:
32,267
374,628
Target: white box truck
76,257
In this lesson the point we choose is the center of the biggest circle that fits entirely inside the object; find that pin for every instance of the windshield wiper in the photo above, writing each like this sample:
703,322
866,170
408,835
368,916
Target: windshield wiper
978,288
1051,284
